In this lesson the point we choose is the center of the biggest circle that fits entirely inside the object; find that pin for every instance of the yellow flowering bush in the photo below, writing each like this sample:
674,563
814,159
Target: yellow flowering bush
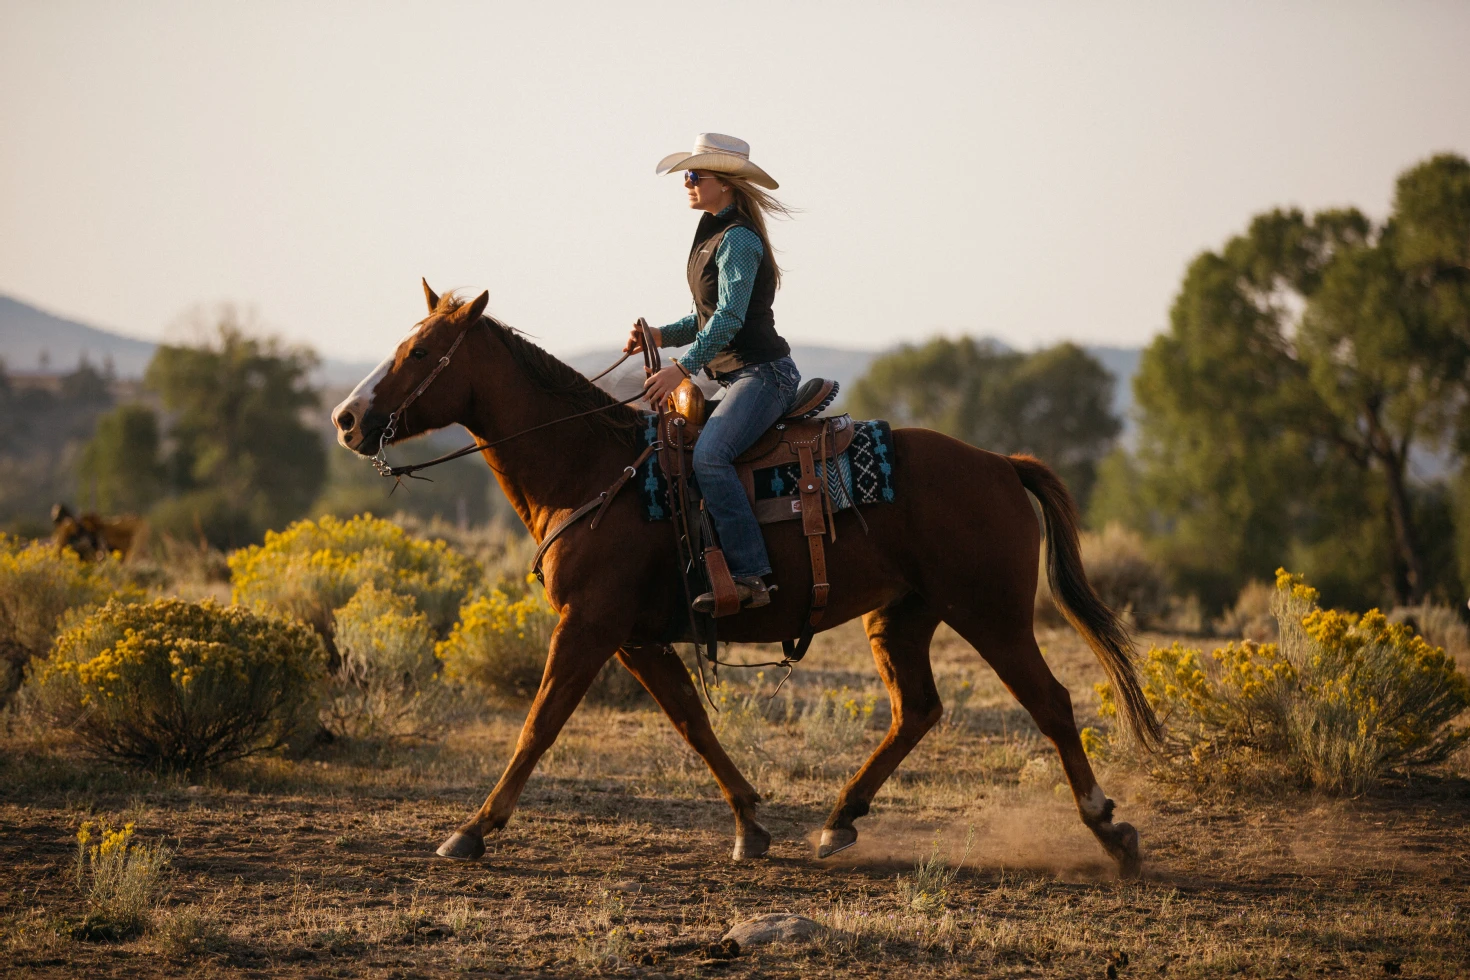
1337,702
388,683
39,584
499,644
836,721
313,568
121,877
179,685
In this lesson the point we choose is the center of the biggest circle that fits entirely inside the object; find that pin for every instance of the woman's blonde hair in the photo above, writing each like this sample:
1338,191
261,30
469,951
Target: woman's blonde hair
754,203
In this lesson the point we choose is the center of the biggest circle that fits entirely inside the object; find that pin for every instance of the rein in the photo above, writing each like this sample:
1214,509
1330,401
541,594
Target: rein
380,462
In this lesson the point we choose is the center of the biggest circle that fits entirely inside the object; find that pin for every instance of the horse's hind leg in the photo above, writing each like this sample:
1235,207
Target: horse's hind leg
659,670
899,634
1012,652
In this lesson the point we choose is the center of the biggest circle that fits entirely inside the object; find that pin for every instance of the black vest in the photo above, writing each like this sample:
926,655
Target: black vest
756,341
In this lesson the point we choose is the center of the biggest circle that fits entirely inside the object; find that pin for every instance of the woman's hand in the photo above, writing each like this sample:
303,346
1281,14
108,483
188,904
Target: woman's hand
635,339
662,384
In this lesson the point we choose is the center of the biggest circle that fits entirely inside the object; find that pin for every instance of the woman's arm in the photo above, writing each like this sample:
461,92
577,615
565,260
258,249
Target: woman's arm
678,333
738,259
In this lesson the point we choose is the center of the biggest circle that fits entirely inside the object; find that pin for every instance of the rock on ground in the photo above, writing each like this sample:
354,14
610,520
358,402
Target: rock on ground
777,927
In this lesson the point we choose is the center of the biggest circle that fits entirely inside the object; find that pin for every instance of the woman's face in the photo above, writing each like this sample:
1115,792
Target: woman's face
708,194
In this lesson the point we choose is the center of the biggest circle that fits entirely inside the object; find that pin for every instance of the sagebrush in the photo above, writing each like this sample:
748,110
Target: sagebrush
1339,701
120,877
40,585
314,568
387,683
178,685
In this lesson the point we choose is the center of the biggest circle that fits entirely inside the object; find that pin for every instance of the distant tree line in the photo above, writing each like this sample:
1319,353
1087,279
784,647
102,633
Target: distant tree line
1310,404
230,440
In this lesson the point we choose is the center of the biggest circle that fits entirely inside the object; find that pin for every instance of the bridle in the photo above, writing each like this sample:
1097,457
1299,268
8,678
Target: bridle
398,473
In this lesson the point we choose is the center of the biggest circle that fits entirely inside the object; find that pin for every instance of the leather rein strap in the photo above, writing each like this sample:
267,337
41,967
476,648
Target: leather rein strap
602,500
598,503
399,472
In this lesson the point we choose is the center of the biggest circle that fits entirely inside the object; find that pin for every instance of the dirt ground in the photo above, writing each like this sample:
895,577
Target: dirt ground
618,860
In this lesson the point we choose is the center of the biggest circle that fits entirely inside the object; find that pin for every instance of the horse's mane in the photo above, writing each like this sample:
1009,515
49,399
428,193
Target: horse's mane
559,378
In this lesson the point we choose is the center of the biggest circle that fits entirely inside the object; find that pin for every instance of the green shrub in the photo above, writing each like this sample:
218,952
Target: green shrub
121,878
1338,702
387,683
180,686
313,568
39,584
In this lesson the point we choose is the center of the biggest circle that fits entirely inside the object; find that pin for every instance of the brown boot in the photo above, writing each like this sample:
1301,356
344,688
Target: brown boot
752,592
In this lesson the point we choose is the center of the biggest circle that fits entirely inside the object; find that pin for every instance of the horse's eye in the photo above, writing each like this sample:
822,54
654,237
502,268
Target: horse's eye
418,353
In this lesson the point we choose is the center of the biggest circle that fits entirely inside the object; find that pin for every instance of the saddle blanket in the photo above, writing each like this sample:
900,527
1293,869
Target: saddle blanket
861,475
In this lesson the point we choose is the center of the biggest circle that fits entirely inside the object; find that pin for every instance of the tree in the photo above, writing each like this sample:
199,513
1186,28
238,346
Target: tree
1054,403
1305,365
242,458
120,468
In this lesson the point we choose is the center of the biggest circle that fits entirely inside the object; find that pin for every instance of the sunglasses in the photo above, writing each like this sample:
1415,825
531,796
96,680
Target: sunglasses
694,178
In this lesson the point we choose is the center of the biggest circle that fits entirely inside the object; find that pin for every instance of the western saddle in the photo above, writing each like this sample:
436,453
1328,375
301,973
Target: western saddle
802,437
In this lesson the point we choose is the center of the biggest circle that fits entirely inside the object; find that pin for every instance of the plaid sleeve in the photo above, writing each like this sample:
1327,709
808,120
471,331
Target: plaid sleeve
738,258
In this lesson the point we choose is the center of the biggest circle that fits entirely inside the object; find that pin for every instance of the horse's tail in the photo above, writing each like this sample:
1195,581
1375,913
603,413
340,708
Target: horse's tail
1077,600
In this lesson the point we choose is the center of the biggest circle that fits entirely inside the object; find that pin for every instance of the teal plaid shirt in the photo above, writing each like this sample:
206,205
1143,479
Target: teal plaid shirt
738,259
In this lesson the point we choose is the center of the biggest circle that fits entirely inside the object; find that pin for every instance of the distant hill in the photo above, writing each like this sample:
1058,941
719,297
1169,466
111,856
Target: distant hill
34,340
28,334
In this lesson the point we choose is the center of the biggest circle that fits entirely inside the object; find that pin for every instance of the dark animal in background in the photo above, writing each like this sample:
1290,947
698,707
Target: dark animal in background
94,537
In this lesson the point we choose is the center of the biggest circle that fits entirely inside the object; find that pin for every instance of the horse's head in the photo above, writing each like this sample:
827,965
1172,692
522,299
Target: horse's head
404,377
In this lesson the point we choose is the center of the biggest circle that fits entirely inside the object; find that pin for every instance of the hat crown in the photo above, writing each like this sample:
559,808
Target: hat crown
720,143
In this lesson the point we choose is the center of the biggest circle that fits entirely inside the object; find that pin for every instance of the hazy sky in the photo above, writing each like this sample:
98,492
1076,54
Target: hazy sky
1030,171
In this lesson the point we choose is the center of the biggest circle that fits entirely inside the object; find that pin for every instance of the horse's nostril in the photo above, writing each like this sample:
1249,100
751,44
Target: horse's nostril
345,421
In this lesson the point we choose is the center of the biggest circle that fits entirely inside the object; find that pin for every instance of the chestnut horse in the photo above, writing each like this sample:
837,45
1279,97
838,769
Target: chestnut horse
959,546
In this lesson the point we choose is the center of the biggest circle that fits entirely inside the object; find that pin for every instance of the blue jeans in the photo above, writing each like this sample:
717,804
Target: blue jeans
755,397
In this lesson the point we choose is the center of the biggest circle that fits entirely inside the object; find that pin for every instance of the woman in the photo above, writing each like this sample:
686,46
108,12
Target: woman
733,276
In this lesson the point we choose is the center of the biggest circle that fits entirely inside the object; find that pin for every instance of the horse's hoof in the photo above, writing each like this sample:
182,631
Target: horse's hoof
752,842
462,847
1125,851
836,839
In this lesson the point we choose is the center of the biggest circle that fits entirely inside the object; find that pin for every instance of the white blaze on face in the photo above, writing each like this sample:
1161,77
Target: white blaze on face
360,402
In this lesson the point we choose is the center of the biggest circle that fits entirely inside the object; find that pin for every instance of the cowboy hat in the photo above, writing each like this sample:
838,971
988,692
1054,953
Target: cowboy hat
721,154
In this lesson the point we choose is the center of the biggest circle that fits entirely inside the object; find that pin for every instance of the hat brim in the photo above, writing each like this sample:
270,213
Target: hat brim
720,163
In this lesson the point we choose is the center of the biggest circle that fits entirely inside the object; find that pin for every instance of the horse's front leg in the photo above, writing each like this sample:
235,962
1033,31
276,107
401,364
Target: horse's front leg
659,670
579,648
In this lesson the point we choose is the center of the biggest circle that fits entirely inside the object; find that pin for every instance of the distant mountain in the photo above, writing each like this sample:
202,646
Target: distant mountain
26,333
1122,362
32,340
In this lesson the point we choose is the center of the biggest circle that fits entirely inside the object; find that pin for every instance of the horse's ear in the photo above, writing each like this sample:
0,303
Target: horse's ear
473,311
431,296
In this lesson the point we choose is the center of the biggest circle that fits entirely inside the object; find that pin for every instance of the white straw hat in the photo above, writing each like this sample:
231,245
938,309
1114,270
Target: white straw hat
723,155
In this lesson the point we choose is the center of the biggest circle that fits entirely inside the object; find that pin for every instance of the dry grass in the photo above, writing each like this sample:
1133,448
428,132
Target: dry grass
617,861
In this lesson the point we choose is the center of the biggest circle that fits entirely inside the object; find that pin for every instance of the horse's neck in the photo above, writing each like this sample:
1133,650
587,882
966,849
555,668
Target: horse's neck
550,471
